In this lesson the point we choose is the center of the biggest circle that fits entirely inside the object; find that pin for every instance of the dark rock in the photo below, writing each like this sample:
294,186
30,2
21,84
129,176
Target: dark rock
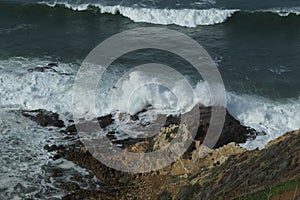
164,196
103,122
44,118
135,117
69,186
56,172
53,147
232,130
52,65
77,178
49,67
172,119
111,135
71,130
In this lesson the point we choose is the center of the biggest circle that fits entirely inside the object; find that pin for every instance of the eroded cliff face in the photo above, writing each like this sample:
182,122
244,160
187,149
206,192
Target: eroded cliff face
228,172
225,172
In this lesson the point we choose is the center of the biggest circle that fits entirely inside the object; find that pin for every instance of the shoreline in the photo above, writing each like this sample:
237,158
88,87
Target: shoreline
191,174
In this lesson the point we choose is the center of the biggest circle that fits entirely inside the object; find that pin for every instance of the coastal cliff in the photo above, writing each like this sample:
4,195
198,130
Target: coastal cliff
224,172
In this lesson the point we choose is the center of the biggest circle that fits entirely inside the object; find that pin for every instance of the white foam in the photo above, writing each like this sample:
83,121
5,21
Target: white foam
181,17
22,90
22,158
284,12
270,117
203,3
52,91
140,89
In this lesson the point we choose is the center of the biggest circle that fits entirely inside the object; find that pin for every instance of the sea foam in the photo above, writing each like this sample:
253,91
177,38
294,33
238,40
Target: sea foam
53,91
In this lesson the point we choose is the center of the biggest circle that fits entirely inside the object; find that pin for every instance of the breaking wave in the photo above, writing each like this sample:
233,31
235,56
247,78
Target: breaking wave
181,17
52,90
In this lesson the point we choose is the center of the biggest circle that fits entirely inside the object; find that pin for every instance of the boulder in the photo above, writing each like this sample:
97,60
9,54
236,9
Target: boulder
44,118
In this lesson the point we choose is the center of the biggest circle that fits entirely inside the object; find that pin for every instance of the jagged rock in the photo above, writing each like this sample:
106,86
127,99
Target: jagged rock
232,130
44,118
213,172
49,67
215,175
103,122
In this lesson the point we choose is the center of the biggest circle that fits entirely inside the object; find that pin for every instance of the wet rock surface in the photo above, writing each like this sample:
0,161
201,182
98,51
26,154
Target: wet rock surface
51,67
232,131
226,171
44,118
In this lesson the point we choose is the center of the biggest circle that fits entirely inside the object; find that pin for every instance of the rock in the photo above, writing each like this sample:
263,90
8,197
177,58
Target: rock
254,171
49,67
282,138
232,130
56,173
69,186
70,130
140,147
187,192
164,196
103,122
52,65
44,118
227,171
53,147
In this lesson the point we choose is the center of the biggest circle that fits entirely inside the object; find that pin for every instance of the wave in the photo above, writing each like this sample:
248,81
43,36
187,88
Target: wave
181,17
284,12
272,118
52,90
187,17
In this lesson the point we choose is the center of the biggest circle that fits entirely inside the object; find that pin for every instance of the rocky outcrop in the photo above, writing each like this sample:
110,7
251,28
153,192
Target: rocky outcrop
103,122
225,172
49,67
248,173
44,118
233,130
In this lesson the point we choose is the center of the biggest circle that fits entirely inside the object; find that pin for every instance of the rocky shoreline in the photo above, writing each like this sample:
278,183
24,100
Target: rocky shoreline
225,172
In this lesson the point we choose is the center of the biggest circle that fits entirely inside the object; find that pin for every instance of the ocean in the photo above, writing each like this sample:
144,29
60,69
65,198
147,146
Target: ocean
255,44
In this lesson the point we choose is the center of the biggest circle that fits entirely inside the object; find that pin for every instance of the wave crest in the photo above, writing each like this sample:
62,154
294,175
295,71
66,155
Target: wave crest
181,17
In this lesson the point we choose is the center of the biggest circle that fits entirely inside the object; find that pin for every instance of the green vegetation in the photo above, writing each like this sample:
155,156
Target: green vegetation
187,192
274,190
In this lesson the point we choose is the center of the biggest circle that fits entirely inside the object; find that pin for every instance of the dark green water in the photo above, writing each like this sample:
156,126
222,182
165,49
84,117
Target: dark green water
257,53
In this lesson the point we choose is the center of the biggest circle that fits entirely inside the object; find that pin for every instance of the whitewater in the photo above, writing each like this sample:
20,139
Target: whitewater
52,90
182,17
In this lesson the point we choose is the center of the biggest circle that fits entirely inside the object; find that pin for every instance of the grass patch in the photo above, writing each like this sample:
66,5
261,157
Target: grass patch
274,190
